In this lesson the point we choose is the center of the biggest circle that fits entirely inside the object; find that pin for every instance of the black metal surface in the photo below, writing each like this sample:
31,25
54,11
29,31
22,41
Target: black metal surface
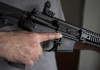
37,21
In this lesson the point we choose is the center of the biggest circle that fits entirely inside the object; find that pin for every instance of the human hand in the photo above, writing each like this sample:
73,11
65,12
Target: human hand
23,47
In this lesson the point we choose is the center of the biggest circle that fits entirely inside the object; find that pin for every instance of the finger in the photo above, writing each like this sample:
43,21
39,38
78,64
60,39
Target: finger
28,62
49,36
37,53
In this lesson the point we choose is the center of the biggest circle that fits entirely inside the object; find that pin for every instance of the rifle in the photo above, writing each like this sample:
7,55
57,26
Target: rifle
45,21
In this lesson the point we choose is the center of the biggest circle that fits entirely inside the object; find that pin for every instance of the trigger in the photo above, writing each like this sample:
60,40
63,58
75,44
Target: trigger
47,45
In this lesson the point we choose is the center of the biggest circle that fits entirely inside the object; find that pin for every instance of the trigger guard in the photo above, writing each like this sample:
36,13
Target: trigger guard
48,45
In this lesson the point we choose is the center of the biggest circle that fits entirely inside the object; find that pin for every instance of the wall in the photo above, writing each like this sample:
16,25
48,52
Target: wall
90,60
72,11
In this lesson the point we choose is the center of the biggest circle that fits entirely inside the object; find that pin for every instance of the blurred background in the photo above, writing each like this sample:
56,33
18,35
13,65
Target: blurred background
86,14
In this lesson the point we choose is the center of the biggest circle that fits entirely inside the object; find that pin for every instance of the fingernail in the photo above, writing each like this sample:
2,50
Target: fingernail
59,35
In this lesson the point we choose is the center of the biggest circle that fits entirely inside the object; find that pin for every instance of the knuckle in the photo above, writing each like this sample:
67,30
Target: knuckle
48,36
35,44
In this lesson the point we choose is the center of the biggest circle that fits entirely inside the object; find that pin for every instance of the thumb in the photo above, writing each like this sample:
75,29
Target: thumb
49,36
